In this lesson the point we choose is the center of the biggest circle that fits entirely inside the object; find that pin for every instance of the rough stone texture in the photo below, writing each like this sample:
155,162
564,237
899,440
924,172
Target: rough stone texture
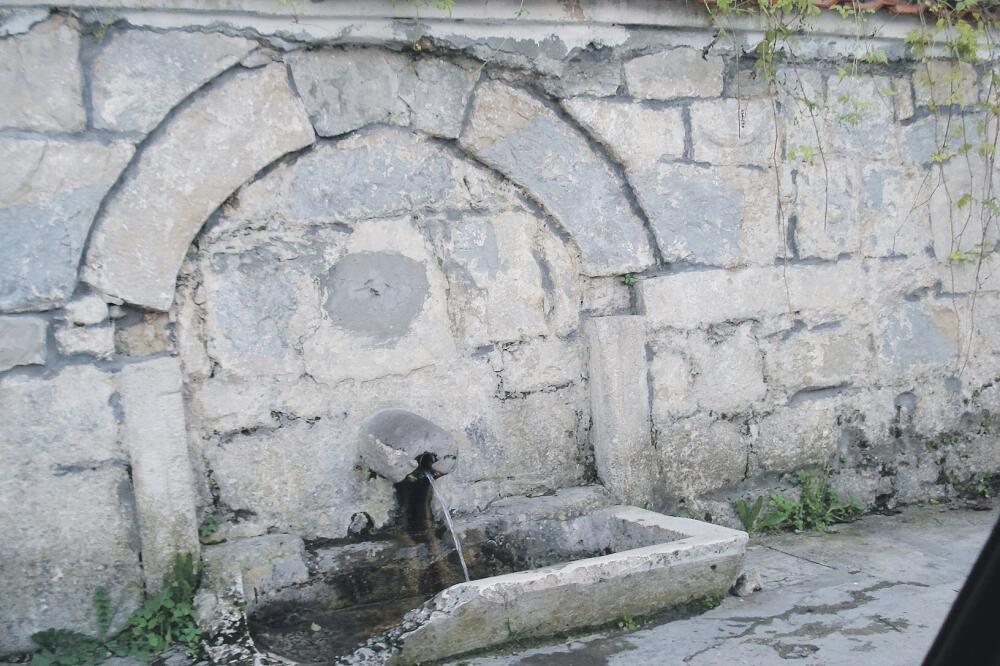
137,76
49,193
22,341
344,90
940,83
96,341
145,337
249,120
20,21
833,354
155,437
41,79
687,369
721,216
256,566
620,406
698,454
635,135
66,504
695,298
734,132
86,310
681,72
518,135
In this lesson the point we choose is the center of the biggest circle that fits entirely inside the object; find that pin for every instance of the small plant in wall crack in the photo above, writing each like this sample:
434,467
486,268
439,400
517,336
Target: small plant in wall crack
629,279
164,620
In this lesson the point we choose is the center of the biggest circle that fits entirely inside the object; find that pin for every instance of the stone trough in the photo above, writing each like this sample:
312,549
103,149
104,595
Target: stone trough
540,567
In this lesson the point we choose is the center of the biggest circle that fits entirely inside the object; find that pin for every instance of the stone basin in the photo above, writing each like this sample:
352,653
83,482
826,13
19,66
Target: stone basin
537,571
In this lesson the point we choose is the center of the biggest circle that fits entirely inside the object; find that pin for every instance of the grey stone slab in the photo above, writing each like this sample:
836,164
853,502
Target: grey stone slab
680,72
620,407
22,341
65,504
137,76
41,79
155,436
49,194
517,135
250,119
96,341
20,21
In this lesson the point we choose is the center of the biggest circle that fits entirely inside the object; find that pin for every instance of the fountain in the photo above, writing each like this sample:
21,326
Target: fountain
524,569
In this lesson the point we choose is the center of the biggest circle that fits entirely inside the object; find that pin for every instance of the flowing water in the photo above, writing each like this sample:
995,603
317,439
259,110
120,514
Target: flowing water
447,519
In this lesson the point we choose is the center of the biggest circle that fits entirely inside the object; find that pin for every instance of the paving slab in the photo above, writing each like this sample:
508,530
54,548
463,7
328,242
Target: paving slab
874,592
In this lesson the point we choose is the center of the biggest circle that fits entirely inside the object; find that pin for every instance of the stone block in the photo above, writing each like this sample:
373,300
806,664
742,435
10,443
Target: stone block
697,298
859,117
606,296
96,341
250,119
619,406
496,285
826,355
680,72
540,364
731,132
916,336
257,566
294,479
894,217
699,454
941,83
600,79
827,219
635,135
155,436
65,504
49,193
687,369
86,310
137,76
22,341
800,435
345,90
147,336
20,21
437,93
723,216
518,135
41,79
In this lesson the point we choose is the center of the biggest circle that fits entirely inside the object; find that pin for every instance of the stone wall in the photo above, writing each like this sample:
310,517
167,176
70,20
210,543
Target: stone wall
225,247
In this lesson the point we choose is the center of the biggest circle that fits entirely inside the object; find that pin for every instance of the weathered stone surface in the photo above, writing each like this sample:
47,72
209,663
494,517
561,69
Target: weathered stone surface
248,121
893,218
347,89
437,93
698,454
601,79
681,72
147,336
392,442
86,310
606,296
938,83
382,174
497,274
96,341
516,134
298,480
137,76
20,21
22,341
734,132
66,506
826,207
344,90
797,436
49,193
687,369
694,298
41,79
156,439
825,356
635,135
915,336
256,566
541,364
620,407
721,216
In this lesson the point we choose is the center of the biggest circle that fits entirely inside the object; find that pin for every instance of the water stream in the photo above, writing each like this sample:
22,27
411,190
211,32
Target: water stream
447,519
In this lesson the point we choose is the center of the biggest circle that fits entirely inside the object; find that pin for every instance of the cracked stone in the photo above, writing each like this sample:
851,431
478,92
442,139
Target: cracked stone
680,72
